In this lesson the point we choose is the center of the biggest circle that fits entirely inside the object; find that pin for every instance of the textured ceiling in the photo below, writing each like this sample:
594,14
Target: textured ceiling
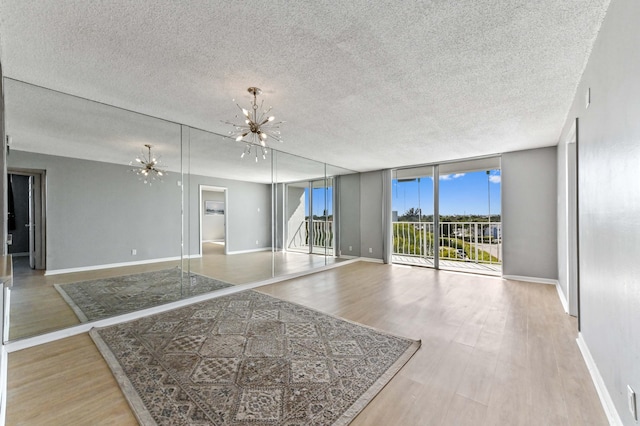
53,123
362,85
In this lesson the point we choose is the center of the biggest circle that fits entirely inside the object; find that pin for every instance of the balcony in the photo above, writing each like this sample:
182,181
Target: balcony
464,246
321,237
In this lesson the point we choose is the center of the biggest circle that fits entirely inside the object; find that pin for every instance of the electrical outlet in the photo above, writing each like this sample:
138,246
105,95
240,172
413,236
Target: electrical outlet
257,242
631,398
350,248
370,250
134,252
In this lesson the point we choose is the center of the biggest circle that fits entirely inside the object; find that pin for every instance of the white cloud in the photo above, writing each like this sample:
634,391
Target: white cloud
449,177
495,178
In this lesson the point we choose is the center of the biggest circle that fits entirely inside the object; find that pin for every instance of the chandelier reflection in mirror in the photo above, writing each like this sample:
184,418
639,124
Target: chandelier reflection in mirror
257,128
148,168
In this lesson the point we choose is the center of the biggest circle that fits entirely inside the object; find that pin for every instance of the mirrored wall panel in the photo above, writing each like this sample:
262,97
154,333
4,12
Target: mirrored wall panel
228,207
82,216
113,211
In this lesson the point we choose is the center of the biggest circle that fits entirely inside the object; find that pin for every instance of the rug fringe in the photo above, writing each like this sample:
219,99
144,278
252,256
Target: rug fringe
364,400
76,309
145,418
135,402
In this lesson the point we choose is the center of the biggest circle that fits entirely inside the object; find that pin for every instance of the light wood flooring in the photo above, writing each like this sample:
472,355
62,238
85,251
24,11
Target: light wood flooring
494,352
37,307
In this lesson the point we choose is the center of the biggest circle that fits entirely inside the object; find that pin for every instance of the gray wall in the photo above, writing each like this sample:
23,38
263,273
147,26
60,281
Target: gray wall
350,197
371,226
529,218
609,201
98,212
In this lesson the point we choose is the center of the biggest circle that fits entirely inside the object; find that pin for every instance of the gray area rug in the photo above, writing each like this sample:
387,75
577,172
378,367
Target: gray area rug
107,297
249,359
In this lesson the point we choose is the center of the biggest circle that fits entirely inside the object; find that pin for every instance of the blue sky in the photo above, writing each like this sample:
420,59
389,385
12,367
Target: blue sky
461,193
319,201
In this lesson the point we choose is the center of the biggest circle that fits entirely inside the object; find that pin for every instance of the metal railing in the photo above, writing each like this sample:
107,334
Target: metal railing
479,242
322,235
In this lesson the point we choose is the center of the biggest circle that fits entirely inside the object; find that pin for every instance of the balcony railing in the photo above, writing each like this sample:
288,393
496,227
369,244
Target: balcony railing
478,242
322,235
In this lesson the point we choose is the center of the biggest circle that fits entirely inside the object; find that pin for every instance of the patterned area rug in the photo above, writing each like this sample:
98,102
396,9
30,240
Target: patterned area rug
107,297
249,359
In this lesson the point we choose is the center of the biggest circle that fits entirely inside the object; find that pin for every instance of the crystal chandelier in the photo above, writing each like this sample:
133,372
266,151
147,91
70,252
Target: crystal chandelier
148,166
258,126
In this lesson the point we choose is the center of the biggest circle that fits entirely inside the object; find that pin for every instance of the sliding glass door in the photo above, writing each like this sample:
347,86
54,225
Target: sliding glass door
469,216
412,216
448,216
310,222
320,219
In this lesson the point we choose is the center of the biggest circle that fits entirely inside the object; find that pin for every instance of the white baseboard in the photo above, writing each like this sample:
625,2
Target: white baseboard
85,327
562,298
530,279
5,299
25,254
4,359
116,265
601,388
345,256
371,259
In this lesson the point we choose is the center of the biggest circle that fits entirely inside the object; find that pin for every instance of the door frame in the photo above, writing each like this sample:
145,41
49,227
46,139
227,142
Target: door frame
211,188
37,246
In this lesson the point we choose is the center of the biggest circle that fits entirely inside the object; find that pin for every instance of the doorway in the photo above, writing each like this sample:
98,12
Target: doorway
27,216
568,220
213,222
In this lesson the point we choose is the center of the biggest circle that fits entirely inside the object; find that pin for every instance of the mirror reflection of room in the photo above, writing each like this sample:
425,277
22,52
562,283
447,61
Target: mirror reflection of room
115,211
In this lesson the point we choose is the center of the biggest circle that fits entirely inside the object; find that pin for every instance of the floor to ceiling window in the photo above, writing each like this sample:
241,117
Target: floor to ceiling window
412,216
448,216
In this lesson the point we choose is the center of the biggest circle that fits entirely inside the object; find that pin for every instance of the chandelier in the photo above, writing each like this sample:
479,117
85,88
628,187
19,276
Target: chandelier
257,128
148,169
